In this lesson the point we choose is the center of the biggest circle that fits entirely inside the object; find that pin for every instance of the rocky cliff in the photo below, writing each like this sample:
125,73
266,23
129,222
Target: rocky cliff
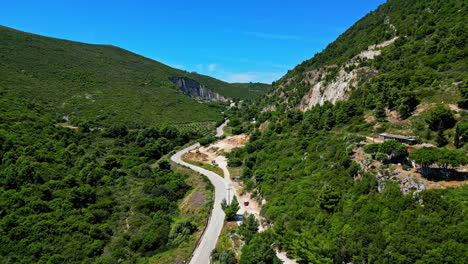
195,90
328,83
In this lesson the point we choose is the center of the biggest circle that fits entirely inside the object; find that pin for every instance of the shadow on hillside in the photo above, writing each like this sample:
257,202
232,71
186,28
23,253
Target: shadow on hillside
438,174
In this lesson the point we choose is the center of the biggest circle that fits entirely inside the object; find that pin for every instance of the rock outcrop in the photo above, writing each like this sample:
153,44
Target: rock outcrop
330,83
336,90
195,90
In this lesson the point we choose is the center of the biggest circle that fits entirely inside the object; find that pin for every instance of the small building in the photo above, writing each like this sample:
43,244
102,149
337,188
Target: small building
399,138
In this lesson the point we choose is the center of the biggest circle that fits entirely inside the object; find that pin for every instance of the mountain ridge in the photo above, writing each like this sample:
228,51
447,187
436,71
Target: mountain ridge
425,38
102,83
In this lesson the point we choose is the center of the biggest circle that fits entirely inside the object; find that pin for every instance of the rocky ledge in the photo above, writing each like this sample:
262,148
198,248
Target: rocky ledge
195,90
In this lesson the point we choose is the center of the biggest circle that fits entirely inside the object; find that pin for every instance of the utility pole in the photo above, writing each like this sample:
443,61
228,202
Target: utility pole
229,196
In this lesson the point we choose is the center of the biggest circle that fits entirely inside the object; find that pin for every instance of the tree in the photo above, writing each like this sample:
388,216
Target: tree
461,134
389,148
380,156
259,250
223,257
447,159
228,257
379,112
164,165
116,131
371,148
249,227
449,252
406,104
181,231
328,198
111,162
440,117
424,157
230,209
440,139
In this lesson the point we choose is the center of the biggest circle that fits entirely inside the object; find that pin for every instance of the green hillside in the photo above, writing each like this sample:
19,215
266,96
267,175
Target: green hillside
100,83
331,195
428,60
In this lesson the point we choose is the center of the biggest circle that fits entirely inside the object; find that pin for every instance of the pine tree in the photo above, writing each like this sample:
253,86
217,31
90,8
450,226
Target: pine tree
441,140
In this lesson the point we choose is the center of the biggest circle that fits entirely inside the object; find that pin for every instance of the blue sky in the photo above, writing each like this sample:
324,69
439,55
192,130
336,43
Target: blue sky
235,41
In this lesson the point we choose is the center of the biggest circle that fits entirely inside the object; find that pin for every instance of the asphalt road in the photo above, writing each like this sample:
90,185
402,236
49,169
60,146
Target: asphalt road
208,240
219,130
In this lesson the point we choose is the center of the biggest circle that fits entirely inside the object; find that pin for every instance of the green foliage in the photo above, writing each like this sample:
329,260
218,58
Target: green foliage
371,148
181,231
425,63
380,156
248,228
206,141
440,139
461,134
379,112
230,209
223,257
102,85
389,149
327,116
446,159
65,195
328,198
463,102
440,118
259,250
321,214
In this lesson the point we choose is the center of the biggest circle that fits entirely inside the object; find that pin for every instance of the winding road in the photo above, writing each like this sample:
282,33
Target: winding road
207,242
220,129
212,231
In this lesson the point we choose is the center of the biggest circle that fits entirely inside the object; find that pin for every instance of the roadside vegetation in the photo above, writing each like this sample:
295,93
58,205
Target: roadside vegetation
76,195
321,212
324,207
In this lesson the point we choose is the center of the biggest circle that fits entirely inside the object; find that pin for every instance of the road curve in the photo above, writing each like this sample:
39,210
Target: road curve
219,130
208,240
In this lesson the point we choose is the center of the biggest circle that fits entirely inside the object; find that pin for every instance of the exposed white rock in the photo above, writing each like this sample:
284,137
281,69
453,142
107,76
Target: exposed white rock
374,50
195,90
337,90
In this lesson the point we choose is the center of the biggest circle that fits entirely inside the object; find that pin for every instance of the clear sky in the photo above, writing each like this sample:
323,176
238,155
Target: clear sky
235,41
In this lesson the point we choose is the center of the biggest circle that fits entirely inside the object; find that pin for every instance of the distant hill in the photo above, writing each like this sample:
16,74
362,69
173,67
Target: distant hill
101,83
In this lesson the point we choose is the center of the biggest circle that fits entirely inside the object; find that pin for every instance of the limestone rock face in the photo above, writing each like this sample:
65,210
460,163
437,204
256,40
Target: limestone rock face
337,90
195,90
330,83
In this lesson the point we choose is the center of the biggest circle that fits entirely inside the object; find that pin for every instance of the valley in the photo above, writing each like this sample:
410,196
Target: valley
359,154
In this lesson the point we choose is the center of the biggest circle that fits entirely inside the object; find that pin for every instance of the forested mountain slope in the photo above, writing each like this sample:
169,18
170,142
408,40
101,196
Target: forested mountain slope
100,83
87,193
329,193
81,196
405,49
